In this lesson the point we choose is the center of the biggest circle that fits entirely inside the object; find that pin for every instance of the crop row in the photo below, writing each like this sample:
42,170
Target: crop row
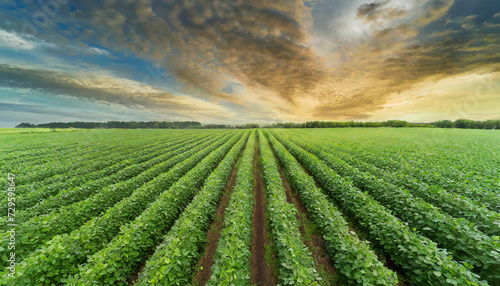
357,264
42,174
419,257
488,198
457,206
431,173
232,257
101,168
71,147
465,242
445,158
76,194
175,259
84,164
61,256
296,265
38,148
39,229
115,263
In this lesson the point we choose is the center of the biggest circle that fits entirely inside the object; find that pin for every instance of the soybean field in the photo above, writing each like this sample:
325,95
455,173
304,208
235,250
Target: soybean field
367,206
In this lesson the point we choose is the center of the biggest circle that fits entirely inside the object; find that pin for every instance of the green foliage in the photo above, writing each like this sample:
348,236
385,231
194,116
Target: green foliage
296,265
60,256
457,206
101,169
353,258
459,236
123,171
232,257
113,264
115,124
419,257
25,125
92,205
176,258
73,216
333,124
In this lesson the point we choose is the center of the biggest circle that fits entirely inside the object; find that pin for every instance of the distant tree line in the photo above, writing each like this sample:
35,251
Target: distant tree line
334,124
136,125
116,124
468,124
460,123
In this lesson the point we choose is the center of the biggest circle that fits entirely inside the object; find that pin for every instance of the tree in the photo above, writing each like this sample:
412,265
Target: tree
25,125
444,124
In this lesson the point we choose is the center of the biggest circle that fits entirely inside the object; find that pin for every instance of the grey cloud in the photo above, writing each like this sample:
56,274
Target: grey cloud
36,109
368,9
92,89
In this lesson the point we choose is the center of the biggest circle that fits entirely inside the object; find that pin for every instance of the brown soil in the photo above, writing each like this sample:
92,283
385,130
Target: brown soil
261,273
133,279
313,242
202,276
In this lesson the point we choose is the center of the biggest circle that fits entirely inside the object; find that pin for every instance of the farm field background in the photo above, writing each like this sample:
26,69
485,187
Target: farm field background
370,206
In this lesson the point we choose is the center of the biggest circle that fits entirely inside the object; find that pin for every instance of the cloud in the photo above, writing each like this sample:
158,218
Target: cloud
37,109
99,52
318,59
106,90
433,10
15,41
208,44
377,11
368,9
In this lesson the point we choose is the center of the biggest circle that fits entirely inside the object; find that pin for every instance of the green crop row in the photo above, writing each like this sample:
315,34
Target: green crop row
174,261
37,230
33,163
47,173
60,256
459,236
22,154
419,257
457,206
115,263
76,194
90,164
431,172
488,198
460,162
98,168
353,258
296,265
232,257
71,145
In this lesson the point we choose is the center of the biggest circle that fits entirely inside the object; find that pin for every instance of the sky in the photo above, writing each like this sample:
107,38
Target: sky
248,61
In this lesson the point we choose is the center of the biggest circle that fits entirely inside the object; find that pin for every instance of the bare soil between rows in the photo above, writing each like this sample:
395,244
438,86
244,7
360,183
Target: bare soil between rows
261,273
205,264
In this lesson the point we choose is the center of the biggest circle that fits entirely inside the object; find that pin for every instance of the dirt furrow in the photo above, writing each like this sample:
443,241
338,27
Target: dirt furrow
261,273
204,272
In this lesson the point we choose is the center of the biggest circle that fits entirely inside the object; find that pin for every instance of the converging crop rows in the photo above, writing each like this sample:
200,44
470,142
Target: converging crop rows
251,207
